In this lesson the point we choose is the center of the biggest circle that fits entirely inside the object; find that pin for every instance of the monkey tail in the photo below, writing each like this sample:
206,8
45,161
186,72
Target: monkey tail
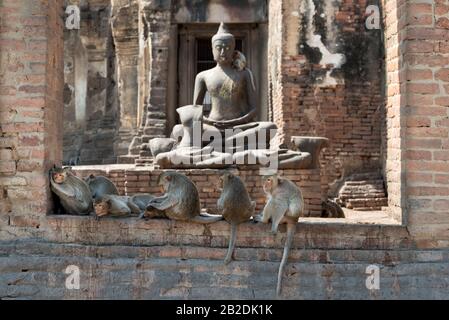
231,243
288,243
206,218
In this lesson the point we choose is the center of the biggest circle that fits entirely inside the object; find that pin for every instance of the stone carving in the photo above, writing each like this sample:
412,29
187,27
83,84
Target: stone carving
74,194
235,205
312,145
159,145
181,200
100,186
228,135
285,205
115,206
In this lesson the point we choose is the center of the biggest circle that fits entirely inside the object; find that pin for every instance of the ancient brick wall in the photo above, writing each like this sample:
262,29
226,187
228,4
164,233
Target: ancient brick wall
35,271
130,180
329,81
31,78
425,134
130,258
396,99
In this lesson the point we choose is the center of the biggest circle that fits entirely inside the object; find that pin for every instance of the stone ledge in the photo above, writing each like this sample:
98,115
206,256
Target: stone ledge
311,233
300,255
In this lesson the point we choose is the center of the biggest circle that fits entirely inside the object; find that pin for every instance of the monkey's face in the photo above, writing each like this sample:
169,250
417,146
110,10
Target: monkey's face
101,208
59,176
269,183
164,182
222,181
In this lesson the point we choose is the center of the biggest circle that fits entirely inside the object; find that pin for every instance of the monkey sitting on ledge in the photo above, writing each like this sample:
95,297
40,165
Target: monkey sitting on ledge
73,193
181,200
285,204
235,205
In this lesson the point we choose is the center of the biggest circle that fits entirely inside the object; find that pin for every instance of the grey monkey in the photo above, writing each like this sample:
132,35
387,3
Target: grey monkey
285,204
142,200
73,193
331,209
100,186
235,205
115,206
181,200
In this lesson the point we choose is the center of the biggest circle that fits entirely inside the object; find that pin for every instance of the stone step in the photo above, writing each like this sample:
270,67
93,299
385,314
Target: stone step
367,208
378,182
365,176
367,203
127,159
362,196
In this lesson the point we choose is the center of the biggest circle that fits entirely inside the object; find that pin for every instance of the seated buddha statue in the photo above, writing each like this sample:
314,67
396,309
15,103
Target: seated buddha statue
228,134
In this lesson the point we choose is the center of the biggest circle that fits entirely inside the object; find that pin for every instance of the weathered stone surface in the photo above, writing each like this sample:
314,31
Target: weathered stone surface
330,257
36,271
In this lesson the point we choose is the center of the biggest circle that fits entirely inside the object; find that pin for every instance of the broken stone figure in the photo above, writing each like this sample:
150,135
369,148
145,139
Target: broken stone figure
74,194
181,200
229,134
285,204
235,205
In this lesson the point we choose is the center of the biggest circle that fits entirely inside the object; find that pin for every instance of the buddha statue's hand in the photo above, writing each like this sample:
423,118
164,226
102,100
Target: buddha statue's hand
208,121
222,124
217,124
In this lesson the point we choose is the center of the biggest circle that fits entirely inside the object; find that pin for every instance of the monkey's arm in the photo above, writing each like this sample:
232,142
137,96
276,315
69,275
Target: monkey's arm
276,220
134,207
162,203
220,204
62,189
268,211
276,211
81,189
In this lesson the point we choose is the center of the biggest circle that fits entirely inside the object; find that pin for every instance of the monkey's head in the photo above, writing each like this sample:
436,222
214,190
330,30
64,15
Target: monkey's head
270,183
59,175
165,179
239,60
89,179
101,207
224,180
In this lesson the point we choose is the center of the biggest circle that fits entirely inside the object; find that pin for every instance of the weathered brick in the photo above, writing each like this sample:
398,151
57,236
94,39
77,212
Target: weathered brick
7,166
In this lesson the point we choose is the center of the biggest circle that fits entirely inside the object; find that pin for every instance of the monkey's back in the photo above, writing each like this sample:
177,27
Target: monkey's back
188,199
235,202
100,186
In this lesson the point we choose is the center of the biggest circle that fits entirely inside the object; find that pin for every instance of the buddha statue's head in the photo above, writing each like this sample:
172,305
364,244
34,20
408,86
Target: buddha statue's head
223,45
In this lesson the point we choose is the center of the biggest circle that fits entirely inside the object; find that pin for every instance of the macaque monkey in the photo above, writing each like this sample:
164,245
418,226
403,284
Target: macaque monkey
332,209
285,204
181,200
74,194
115,206
100,186
142,200
235,205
